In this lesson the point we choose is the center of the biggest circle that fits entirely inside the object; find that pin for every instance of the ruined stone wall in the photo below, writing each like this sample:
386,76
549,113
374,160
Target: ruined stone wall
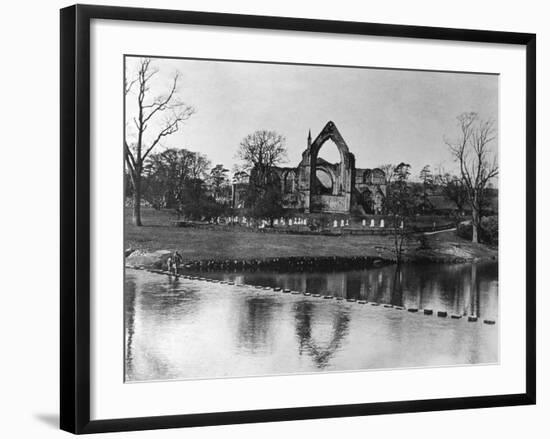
349,185
331,203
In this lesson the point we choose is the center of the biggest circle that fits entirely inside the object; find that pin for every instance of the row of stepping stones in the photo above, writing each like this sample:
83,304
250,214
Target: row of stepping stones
426,311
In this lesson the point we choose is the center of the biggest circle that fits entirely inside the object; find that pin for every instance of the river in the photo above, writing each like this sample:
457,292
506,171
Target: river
178,328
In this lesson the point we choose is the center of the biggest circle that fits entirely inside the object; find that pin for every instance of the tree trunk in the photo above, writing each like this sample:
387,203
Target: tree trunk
137,200
475,226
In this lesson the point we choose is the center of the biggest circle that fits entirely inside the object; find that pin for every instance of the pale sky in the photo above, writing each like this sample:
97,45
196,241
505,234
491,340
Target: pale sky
385,116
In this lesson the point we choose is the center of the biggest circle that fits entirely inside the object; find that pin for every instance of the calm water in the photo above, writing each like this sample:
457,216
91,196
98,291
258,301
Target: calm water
179,328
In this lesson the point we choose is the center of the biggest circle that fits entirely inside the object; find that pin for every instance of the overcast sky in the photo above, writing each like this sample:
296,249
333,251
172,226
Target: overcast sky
385,116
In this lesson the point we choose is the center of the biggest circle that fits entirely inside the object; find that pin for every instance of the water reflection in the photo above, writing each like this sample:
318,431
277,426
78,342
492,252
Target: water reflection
179,328
256,318
337,323
464,289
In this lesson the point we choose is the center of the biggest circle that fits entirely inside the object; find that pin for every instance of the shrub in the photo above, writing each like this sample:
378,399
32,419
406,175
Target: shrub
489,229
488,233
464,231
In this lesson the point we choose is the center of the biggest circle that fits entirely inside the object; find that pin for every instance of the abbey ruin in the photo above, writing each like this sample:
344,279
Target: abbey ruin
317,185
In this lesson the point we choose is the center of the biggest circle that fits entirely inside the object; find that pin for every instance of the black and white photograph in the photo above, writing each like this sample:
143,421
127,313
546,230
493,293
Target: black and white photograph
288,219
275,219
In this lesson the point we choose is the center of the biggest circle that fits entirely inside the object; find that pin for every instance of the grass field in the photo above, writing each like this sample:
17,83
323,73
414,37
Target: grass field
196,243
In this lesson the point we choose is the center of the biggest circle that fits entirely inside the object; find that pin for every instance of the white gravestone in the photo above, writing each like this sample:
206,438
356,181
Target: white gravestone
335,223
341,223
364,222
372,222
381,223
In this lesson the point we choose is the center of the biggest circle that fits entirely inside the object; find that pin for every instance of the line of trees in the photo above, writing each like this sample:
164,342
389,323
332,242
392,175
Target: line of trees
185,181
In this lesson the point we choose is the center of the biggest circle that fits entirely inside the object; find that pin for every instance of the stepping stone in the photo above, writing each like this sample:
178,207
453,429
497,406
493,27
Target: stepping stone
428,312
316,295
400,308
286,290
230,283
327,297
388,306
456,316
489,322
441,313
472,318
362,302
267,288
412,309
339,298
351,300
295,292
375,304
277,289
306,294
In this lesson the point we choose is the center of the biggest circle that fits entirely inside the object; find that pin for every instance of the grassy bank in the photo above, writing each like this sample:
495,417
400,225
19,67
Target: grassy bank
199,243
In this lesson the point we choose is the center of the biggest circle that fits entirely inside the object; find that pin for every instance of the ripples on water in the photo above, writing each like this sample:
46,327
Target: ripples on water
178,328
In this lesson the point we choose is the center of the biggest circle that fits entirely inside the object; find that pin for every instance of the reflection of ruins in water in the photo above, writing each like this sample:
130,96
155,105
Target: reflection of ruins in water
334,327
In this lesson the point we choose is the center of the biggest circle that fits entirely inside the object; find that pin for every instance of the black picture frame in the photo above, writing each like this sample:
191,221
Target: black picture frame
75,216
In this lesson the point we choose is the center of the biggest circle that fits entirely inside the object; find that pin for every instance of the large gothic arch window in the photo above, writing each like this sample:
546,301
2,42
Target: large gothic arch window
328,162
329,151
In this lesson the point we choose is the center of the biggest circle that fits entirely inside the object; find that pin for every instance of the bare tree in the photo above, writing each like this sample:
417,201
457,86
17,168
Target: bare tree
261,151
388,169
155,118
477,164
